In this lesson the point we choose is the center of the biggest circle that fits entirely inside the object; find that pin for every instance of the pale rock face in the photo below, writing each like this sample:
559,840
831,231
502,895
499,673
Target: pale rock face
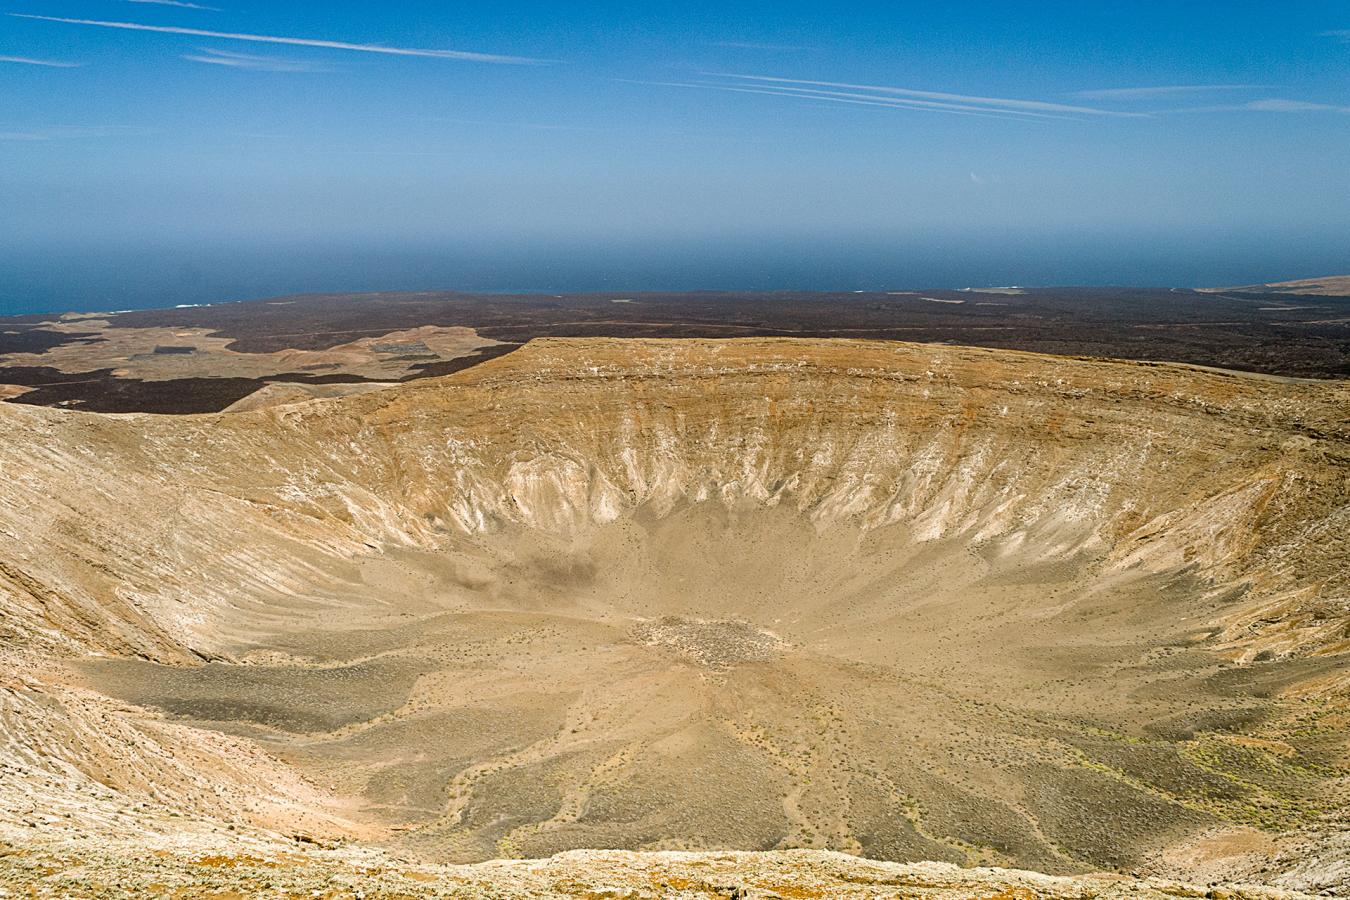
121,517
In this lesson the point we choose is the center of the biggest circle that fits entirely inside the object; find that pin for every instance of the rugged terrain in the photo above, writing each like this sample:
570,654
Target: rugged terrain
302,872
908,602
206,358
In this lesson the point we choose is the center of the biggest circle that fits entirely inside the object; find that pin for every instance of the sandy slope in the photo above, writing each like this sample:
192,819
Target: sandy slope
909,602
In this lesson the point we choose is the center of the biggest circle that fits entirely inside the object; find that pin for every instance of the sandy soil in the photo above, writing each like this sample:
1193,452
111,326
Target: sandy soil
166,354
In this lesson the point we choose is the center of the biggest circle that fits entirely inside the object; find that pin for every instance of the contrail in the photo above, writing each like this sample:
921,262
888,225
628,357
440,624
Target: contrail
1129,93
177,3
50,63
1002,102
464,55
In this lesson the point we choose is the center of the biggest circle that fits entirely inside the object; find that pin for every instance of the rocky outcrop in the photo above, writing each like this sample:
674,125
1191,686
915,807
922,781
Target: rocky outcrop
588,874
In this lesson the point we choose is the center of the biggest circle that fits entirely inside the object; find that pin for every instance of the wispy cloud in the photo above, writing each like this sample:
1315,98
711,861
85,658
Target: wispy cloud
65,132
1269,105
1293,106
754,45
891,97
851,99
177,3
498,123
464,55
50,63
1343,34
253,63
898,102
1006,105
1164,90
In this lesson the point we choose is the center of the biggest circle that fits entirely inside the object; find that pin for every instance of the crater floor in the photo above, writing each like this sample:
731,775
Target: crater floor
524,694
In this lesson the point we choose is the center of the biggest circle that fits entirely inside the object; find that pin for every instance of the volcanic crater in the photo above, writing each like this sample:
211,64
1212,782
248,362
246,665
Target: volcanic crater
908,602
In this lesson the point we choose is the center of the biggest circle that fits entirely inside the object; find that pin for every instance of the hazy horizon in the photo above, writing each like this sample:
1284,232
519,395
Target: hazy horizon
105,279
156,153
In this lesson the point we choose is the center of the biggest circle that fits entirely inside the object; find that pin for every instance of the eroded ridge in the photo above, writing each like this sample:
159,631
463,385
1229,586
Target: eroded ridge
912,603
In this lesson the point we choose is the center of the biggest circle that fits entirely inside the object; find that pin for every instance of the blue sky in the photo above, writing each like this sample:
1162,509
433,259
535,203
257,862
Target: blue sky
159,151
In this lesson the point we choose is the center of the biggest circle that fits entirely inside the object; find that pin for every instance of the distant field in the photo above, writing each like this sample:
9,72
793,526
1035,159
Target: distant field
207,358
1336,286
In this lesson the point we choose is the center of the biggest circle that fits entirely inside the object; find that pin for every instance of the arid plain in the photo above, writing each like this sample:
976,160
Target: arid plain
905,602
